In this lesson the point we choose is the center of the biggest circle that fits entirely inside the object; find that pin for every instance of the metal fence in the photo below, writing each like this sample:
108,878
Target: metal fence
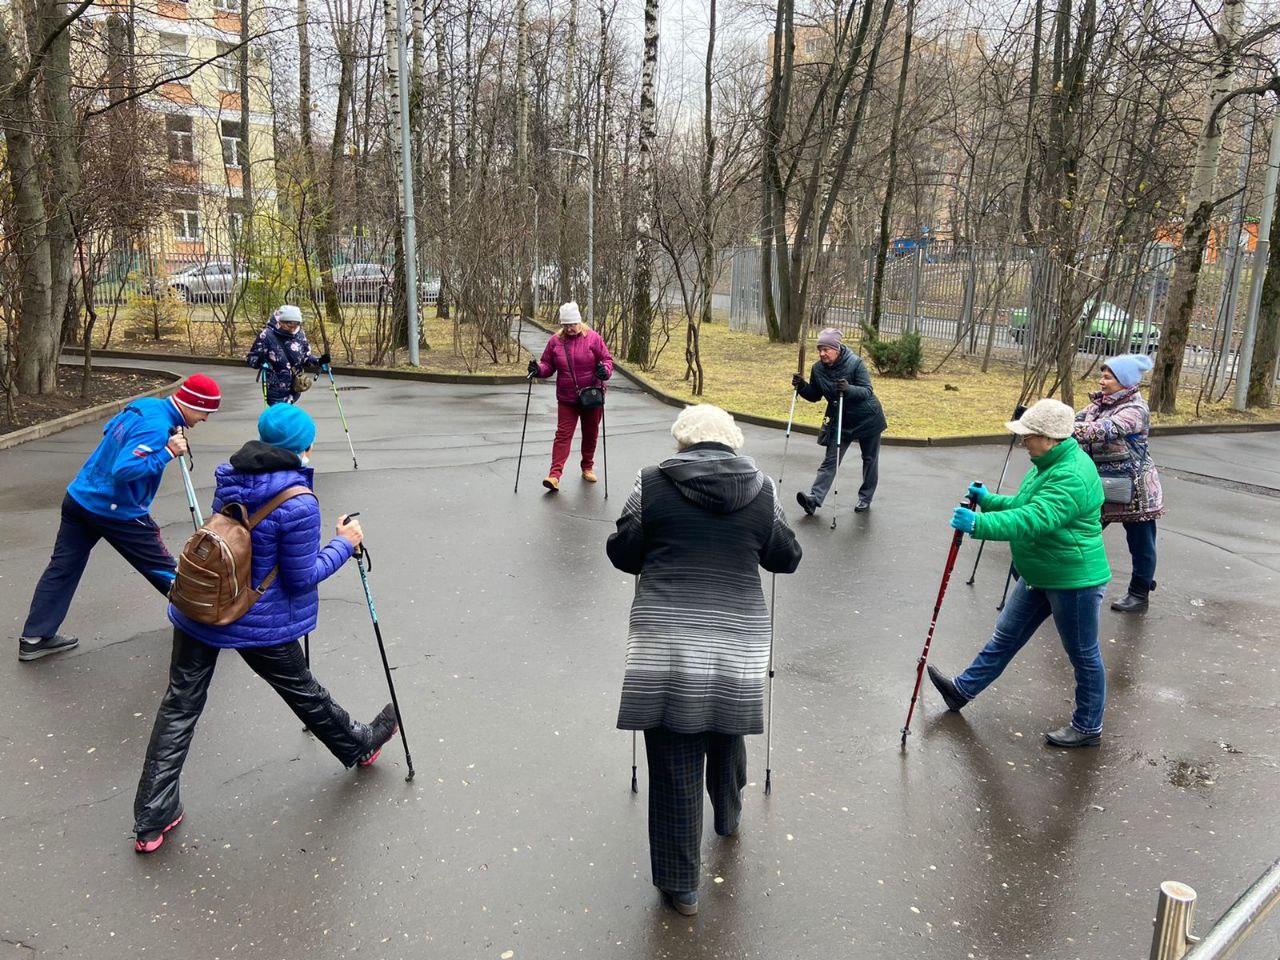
363,275
1172,938
966,296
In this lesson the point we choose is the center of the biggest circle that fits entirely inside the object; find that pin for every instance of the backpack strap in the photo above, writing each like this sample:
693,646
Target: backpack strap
288,493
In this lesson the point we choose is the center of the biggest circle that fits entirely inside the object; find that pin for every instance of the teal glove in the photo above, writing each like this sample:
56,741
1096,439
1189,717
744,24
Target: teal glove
977,491
964,519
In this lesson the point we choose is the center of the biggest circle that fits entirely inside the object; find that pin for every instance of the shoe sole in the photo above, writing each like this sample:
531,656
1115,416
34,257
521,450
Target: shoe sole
684,909
1096,742
377,753
551,486
151,846
26,656
590,479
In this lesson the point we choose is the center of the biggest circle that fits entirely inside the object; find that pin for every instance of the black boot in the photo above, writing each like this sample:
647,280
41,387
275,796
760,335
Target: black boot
1135,601
807,502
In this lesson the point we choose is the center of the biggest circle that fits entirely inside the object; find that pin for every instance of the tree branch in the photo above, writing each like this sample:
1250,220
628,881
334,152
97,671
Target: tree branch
37,58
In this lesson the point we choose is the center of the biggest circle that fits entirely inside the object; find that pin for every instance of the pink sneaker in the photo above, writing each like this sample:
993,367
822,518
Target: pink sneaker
382,729
151,842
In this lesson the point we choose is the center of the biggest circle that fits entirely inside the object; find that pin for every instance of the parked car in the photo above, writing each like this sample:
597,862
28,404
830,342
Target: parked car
207,282
372,282
1106,329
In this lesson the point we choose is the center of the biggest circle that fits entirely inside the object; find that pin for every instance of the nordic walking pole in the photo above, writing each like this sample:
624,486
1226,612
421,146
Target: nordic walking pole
604,443
196,519
972,504
1018,411
524,426
635,788
787,442
768,728
342,416
1007,580
262,375
361,555
839,430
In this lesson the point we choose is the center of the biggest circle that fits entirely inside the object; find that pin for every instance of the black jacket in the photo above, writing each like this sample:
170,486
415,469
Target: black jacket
863,415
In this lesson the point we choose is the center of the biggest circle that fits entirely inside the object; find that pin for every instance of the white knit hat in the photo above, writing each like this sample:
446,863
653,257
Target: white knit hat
705,423
289,314
1048,418
569,313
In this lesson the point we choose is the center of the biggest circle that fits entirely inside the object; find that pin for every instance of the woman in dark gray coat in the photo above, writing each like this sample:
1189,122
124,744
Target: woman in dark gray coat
696,529
838,373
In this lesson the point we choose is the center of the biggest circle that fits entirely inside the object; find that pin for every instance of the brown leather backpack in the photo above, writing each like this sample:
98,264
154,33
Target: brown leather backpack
214,580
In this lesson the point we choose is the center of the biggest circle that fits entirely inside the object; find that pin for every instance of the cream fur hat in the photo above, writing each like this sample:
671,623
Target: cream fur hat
705,423
1048,418
569,313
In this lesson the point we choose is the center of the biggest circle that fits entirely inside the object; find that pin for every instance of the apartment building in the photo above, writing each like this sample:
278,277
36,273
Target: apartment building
188,50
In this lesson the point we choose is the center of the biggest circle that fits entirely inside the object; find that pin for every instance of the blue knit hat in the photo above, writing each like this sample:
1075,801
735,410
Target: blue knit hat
286,426
1129,367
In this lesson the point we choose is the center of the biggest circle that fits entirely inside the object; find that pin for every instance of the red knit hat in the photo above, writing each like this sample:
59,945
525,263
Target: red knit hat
199,392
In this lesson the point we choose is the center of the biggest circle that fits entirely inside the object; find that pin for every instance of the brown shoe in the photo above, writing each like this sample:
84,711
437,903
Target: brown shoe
552,483
589,476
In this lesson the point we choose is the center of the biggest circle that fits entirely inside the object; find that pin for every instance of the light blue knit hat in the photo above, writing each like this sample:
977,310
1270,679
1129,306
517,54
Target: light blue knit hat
286,426
1129,367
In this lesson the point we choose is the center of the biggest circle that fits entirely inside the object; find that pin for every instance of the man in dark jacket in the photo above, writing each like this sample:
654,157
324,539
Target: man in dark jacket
110,499
696,529
841,372
281,354
287,541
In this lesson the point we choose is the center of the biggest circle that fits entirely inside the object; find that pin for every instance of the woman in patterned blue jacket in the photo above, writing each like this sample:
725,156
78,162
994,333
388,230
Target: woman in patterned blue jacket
267,635
281,352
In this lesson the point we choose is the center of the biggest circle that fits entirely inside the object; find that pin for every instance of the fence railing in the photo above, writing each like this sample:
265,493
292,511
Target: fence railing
969,296
1173,940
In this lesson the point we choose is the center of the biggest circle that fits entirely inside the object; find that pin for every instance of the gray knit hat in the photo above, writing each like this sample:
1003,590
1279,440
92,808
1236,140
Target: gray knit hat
830,337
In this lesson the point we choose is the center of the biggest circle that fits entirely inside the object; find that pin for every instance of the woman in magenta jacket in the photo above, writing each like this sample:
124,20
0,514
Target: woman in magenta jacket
578,357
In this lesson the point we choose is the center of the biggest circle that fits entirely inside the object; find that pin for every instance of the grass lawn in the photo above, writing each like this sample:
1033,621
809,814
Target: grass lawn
747,373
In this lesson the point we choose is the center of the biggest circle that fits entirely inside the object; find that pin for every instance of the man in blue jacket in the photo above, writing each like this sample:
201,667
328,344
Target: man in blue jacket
110,499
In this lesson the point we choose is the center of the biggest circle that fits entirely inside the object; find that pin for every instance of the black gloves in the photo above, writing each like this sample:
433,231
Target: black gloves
324,359
533,368
842,386
602,372
797,381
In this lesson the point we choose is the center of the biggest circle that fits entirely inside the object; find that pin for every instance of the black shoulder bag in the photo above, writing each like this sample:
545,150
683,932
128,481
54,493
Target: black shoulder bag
588,397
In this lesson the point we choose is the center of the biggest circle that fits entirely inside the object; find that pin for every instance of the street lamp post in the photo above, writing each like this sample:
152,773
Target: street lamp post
533,270
591,221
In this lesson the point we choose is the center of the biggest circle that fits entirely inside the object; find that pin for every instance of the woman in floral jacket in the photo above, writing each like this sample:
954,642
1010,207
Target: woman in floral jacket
1113,430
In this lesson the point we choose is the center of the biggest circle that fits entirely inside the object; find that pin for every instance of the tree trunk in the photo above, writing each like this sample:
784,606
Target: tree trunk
642,295
1266,348
707,280
895,131
399,304
1195,231
522,150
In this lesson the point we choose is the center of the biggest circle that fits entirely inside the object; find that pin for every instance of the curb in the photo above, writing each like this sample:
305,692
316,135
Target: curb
958,440
384,373
47,429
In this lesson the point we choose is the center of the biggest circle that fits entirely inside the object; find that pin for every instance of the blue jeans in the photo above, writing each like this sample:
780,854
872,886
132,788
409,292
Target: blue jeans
1141,535
1075,614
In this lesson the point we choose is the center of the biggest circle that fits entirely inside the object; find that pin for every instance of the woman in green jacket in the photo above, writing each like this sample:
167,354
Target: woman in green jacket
1055,534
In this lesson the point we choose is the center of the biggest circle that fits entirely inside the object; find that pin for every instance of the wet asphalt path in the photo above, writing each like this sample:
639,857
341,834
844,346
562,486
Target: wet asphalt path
506,625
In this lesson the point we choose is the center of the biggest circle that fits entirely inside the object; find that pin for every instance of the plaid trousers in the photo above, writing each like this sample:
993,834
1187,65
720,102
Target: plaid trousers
675,799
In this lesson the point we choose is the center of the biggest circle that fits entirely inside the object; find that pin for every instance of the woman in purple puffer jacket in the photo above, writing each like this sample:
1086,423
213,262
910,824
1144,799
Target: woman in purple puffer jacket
267,635
1113,430
579,358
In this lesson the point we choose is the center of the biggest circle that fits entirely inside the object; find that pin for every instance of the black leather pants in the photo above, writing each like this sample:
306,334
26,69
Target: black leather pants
158,801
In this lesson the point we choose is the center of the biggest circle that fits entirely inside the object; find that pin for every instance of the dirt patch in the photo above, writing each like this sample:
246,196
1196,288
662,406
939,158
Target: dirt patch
104,386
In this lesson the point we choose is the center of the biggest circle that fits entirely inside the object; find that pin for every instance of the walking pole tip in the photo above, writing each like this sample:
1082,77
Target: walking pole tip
768,782
635,786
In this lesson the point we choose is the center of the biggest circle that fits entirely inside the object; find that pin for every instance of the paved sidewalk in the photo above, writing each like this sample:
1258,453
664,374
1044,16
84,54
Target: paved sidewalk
506,626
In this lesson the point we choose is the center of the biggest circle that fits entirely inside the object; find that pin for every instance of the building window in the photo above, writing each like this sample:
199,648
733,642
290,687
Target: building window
232,143
227,6
235,221
228,67
811,46
178,133
173,55
186,218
